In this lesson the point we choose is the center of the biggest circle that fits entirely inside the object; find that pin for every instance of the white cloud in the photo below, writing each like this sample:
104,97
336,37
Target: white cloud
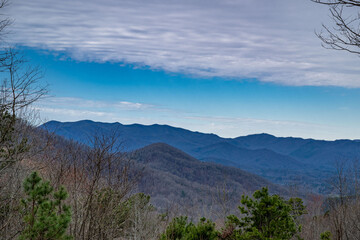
132,105
71,112
272,41
94,104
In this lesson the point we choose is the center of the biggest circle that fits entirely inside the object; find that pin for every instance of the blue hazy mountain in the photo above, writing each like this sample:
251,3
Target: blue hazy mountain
318,152
133,136
280,159
246,158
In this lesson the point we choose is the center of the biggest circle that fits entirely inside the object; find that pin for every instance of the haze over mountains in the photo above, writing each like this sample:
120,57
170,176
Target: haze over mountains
289,160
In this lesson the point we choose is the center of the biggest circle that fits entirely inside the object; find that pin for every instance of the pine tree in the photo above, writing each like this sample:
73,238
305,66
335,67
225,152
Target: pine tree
266,217
46,216
181,229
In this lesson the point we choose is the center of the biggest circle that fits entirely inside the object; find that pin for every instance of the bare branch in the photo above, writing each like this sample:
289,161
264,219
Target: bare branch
347,3
345,35
20,85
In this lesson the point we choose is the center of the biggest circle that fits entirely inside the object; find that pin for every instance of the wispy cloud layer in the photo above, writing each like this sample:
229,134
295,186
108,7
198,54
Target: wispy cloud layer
93,104
272,41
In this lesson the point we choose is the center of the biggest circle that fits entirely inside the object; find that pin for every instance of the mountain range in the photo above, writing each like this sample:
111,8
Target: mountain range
283,160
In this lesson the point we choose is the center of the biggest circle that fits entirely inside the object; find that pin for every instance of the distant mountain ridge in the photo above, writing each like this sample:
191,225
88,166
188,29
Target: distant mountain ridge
132,136
243,157
284,160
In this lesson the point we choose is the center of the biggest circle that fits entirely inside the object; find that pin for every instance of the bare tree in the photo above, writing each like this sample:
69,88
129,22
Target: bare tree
99,179
342,209
20,86
222,202
345,34
19,89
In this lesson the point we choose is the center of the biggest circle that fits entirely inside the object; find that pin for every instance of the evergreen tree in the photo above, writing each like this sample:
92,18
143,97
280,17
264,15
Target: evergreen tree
181,229
46,216
204,230
266,217
11,146
325,235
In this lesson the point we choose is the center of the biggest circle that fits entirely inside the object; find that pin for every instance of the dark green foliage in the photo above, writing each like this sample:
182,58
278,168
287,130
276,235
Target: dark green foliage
325,235
266,217
176,229
10,144
46,216
204,230
140,200
181,229
297,207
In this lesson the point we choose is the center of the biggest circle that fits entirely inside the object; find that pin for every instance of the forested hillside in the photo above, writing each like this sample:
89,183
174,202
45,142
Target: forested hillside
175,179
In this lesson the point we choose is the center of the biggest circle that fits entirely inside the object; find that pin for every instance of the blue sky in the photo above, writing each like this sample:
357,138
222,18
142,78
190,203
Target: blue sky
231,67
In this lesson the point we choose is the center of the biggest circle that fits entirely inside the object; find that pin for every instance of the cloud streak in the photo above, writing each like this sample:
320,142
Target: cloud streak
93,104
272,41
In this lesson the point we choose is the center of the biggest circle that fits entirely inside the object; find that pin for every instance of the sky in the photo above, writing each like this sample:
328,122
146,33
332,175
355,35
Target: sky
227,67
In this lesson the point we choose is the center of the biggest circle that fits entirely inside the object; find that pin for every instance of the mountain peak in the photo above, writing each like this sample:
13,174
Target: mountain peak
260,135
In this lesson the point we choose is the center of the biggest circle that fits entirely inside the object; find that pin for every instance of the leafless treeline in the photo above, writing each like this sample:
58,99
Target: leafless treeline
340,213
